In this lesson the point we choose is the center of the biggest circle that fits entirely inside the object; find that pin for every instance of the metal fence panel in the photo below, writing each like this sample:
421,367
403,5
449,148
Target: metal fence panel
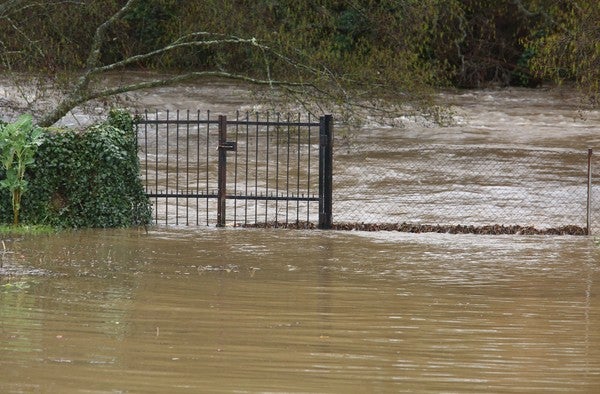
244,170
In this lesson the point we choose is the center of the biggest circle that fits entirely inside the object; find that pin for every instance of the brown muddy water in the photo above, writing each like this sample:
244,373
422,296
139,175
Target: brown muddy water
246,310
201,309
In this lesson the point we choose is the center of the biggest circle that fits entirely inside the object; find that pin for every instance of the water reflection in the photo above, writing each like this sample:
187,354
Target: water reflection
224,310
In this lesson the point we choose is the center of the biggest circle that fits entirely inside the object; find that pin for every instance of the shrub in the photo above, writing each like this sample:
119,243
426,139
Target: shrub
86,178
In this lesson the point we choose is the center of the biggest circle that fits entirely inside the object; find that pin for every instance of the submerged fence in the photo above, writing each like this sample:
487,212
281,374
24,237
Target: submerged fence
247,170
465,189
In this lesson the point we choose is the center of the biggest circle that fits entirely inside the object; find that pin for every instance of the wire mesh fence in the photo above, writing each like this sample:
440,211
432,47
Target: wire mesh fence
479,187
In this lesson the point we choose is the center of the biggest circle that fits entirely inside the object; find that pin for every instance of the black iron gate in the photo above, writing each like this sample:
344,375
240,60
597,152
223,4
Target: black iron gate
244,170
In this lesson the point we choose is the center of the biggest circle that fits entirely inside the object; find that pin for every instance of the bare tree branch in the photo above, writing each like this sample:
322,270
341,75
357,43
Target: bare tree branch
531,14
73,101
97,43
81,91
171,47
9,6
315,80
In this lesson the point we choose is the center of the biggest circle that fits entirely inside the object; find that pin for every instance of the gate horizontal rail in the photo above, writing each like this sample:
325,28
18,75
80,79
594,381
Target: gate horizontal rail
229,122
240,197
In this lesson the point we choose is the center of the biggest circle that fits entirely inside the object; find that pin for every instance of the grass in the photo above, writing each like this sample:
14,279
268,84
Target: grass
36,229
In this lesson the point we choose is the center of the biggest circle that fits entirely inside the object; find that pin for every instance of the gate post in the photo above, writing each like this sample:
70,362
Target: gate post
222,174
326,172
589,193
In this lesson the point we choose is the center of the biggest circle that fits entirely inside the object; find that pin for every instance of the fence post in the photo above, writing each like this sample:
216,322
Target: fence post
589,193
222,175
326,172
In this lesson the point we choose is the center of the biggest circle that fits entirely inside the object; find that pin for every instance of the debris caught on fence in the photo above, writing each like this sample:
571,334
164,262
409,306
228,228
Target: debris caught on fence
495,229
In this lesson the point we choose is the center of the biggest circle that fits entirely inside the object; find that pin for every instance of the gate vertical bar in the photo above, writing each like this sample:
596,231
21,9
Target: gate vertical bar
589,192
177,169
222,175
326,172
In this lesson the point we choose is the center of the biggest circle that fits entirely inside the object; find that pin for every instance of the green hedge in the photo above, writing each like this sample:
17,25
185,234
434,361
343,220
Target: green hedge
86,178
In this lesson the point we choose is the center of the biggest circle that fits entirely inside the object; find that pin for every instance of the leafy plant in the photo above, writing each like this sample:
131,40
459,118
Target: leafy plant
19,142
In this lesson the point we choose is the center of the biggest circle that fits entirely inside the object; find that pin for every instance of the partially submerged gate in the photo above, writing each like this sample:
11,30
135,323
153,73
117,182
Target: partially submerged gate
200,169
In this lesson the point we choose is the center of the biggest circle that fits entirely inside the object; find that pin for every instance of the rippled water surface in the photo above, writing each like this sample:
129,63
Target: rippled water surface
224,310
246,310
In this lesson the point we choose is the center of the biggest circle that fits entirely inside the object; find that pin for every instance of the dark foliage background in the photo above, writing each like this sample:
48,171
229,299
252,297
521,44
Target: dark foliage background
463,42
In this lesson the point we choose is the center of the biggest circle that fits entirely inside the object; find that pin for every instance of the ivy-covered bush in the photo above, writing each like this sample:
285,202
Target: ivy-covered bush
86,178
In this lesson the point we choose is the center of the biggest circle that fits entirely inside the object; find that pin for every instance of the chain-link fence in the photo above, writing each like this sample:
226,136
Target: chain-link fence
442,185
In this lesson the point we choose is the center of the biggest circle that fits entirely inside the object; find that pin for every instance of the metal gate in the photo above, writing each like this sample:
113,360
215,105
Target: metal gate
245,170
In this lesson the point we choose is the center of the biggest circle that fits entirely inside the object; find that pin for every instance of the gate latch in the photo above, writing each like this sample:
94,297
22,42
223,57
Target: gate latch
228,145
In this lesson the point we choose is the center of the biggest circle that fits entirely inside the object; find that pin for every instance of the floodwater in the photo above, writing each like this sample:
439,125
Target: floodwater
247,310
180,309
